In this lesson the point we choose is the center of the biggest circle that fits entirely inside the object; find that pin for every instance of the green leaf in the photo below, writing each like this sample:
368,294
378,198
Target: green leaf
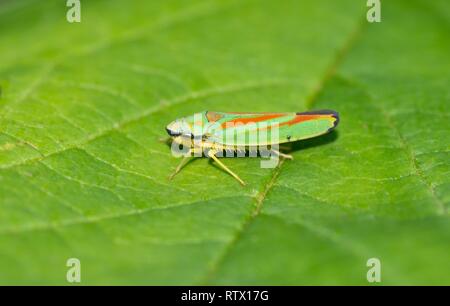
84,175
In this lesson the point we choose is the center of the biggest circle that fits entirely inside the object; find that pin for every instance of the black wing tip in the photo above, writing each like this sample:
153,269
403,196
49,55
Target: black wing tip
333,114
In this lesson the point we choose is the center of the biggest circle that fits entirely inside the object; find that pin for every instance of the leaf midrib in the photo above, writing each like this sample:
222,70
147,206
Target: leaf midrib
265,190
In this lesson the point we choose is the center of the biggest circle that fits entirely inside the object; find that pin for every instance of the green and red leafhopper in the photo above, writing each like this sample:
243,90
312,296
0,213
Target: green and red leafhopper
211,133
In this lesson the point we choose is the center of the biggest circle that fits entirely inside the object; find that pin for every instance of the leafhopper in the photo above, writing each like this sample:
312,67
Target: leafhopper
211,133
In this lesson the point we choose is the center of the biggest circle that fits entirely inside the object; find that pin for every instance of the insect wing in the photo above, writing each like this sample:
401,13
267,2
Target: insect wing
253,129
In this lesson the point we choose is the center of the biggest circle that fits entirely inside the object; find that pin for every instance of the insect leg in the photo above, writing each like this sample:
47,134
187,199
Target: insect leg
183,162
288,156
212,154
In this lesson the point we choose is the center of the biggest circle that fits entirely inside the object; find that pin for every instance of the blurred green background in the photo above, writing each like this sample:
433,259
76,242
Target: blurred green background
84,175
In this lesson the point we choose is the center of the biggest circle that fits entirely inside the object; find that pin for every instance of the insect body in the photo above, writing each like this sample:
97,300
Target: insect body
213,132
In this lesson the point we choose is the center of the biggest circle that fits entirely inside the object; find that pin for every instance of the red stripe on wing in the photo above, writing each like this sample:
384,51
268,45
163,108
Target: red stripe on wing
252,119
